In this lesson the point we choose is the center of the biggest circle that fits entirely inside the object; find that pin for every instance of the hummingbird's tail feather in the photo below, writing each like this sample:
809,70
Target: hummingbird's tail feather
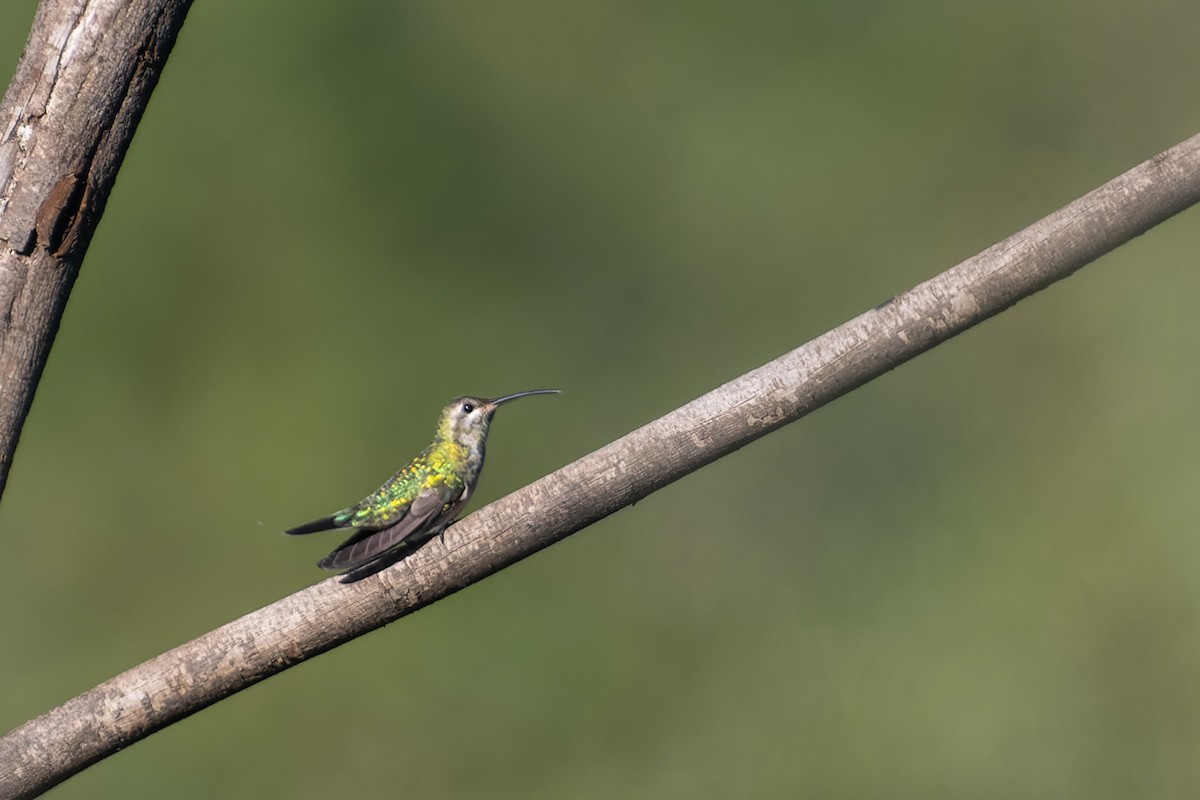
322,524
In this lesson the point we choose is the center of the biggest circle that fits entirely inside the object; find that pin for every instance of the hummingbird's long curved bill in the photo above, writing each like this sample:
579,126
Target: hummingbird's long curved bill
507,397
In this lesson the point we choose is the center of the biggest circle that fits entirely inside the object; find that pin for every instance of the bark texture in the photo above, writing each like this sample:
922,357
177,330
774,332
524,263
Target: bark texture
131,706
67,118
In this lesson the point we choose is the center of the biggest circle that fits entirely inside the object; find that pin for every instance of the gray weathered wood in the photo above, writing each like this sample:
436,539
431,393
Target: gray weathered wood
131,706
65,123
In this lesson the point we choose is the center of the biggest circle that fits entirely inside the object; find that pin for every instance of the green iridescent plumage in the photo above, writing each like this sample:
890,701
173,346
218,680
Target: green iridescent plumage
437,467
422,498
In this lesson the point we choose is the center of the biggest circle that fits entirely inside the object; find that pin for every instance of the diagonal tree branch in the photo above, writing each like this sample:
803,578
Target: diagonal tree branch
131,706
65,123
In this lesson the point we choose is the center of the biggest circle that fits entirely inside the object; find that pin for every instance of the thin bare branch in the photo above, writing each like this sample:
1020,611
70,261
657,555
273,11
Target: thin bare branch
161,691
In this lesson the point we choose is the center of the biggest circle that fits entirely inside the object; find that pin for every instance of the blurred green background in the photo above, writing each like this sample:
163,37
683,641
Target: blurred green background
978,576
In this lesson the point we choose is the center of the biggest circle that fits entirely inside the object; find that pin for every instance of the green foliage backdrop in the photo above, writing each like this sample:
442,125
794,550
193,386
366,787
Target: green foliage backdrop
977,577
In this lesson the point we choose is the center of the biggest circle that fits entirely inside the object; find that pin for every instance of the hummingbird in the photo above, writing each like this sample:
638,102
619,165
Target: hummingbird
419,501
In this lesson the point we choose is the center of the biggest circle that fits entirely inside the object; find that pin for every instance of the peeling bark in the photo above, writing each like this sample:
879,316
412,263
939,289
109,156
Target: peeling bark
66,121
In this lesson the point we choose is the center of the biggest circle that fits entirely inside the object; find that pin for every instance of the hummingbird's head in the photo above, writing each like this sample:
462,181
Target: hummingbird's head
465,419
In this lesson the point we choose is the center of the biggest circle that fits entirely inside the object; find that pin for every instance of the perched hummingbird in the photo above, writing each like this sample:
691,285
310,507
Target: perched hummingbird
420,500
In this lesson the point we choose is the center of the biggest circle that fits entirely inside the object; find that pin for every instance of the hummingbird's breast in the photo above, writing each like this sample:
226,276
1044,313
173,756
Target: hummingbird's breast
463,459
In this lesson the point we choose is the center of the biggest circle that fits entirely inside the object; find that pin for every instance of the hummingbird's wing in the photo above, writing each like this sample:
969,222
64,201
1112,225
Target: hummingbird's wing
426,510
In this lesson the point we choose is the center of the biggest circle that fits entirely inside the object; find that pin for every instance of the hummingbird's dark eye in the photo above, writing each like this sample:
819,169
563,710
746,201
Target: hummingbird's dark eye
468,408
